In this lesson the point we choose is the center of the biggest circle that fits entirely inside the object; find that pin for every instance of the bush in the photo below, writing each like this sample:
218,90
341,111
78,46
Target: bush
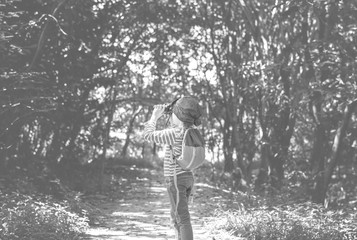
297,222
24,217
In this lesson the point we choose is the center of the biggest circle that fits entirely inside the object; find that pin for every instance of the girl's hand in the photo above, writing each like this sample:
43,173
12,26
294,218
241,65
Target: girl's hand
158,111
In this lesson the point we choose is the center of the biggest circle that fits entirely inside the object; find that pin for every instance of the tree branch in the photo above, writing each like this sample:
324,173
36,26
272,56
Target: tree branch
41,40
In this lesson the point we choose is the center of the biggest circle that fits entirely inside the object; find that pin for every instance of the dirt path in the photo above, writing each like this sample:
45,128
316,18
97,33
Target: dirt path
143,213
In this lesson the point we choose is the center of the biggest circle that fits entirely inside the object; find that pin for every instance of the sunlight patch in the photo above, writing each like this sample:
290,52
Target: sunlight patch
133,214
103,231
158,189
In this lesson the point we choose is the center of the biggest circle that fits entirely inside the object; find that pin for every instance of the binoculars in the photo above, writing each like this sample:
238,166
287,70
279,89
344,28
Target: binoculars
169,107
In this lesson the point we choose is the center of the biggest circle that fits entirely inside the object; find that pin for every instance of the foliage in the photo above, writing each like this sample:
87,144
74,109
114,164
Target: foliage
78,78
26,217
297,221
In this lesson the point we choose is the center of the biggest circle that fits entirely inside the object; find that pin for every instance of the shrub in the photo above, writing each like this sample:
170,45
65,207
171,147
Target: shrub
297,222
24,217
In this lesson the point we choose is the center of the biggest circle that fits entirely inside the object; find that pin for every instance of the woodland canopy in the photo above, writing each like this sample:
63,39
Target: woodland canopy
277,80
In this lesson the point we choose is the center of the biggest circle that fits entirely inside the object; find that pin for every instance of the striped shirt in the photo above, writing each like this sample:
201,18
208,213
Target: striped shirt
172,138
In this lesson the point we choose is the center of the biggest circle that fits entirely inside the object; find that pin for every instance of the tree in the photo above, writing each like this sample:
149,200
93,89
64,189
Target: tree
275,78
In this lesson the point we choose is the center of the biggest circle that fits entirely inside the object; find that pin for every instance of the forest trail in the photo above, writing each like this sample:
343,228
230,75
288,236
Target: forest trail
143,212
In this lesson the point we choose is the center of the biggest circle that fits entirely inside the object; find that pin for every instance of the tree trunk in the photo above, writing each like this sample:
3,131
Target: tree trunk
323,182
106,140
129,131
283,128
320,142
264,169
318,162
227,152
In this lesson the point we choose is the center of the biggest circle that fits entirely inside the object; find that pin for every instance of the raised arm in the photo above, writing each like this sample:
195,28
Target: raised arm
166,136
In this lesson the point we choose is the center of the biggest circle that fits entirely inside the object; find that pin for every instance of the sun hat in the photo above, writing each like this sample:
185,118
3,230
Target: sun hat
188,110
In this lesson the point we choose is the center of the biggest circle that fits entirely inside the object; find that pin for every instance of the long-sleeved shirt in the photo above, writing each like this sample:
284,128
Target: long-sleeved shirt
172,138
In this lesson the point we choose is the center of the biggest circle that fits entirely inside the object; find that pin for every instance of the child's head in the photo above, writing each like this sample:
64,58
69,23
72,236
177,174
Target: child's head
188,111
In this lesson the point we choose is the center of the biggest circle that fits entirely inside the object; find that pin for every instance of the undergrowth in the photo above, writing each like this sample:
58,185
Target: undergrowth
285,214
290,222
39,218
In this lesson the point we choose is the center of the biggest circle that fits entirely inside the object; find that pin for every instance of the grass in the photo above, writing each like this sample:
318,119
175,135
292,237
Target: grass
291,222
27,217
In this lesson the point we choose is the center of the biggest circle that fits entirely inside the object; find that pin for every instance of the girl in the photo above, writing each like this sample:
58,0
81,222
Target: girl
183,113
